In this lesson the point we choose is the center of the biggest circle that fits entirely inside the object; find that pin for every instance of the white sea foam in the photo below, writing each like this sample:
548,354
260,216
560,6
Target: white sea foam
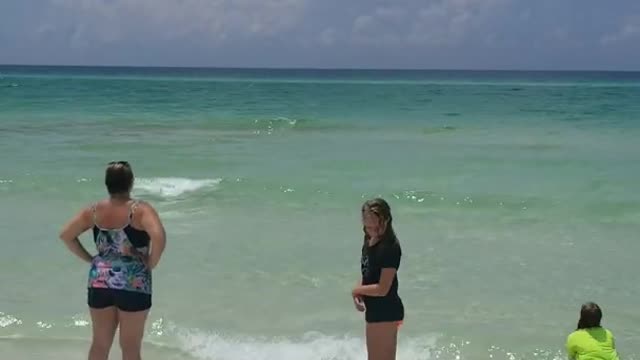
174,186
167,341
312,346
7,320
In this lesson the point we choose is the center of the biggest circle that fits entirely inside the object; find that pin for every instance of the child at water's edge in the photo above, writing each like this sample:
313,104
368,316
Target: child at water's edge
591,340
377,291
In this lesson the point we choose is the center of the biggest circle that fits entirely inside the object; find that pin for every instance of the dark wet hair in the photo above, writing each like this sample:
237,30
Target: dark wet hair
590,316
382,210
118,177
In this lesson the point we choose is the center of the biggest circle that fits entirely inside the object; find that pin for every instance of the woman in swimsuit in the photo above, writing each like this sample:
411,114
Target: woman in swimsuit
130,240
377,292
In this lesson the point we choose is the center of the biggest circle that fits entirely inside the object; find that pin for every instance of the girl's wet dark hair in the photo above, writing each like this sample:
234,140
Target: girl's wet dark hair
590,316
118,177
382,210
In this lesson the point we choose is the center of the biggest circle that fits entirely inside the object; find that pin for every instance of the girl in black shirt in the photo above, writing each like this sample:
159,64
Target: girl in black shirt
377,291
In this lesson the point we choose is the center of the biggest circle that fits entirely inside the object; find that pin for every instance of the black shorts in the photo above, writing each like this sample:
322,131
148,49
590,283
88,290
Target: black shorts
384,310
129,301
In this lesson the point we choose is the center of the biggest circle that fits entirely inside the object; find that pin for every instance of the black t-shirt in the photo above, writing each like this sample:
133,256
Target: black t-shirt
374,259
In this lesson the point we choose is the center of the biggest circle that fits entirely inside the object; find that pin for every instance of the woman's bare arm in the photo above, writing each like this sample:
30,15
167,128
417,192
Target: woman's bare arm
380,289
152,224
73,229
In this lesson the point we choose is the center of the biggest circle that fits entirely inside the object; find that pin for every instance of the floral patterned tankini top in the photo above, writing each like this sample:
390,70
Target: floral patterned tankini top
120,261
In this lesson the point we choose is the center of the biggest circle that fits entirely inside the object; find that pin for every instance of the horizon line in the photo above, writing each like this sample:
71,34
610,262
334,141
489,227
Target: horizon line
312,68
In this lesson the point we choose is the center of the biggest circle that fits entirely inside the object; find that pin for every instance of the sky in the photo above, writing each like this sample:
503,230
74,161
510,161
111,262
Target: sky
417,34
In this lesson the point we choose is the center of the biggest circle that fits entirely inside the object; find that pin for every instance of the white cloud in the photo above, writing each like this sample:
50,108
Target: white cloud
432,22
448,22
363,23
385,33
391,13
629,30
382,26
328,37
215,20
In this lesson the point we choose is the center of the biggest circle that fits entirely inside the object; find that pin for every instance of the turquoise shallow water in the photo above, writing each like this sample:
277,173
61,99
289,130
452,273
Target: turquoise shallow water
514,197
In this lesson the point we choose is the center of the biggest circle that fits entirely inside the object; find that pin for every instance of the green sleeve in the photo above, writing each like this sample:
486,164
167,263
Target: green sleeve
613,340
571,349
610,338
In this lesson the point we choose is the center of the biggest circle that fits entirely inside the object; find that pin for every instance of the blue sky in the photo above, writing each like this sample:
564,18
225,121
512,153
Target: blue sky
476,34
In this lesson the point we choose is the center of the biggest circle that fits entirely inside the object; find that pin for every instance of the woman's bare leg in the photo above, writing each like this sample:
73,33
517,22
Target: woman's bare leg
382,339
131,333
104,323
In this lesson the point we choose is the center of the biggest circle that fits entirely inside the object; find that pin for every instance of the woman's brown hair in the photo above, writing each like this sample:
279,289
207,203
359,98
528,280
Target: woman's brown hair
118,177
590,316
380,208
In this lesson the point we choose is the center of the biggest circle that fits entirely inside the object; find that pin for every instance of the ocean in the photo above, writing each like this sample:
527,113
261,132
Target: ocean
514,195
